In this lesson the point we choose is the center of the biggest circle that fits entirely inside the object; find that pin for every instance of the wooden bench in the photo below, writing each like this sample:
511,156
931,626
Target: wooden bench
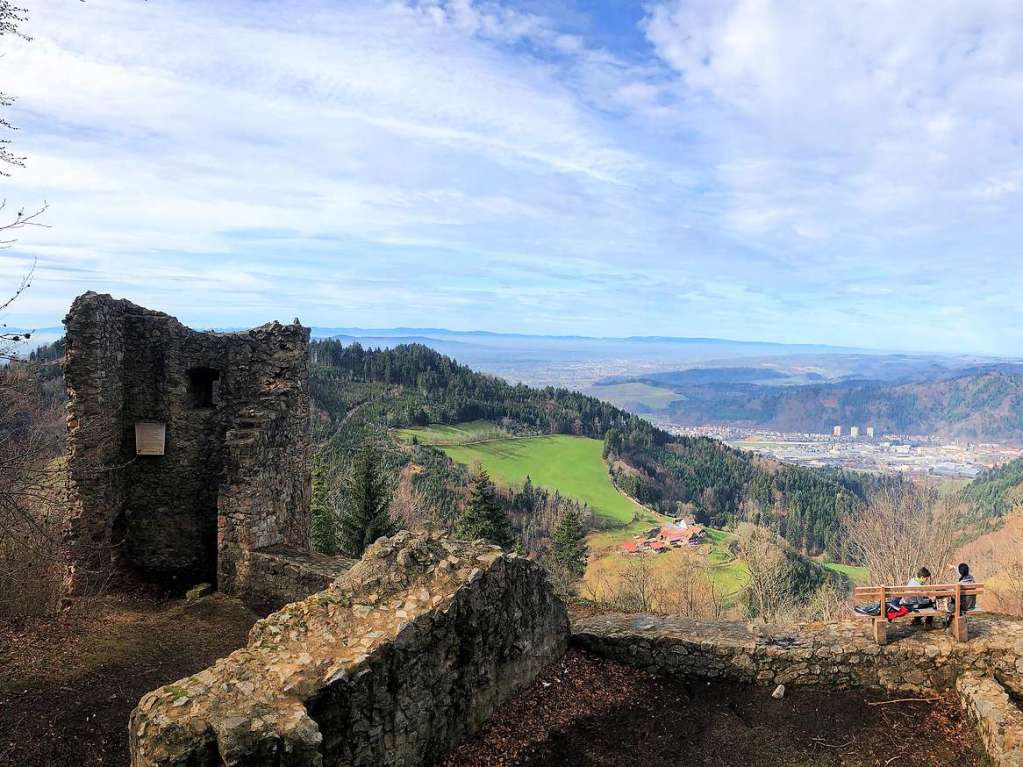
936,592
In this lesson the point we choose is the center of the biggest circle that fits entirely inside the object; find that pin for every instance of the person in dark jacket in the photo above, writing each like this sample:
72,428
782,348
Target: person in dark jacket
969,602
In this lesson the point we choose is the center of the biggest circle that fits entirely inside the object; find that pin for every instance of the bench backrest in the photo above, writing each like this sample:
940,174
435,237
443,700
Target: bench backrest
935,591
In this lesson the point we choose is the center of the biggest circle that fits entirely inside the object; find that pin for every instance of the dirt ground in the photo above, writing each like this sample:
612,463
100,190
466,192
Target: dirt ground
588,711
68,684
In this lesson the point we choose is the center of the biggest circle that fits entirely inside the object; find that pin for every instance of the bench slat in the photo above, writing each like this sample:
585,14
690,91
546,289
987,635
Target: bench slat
932,591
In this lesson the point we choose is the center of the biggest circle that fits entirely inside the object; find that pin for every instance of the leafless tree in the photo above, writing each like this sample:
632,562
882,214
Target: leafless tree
765,594
631,589
32,508
904,529
11,17
1012,596
685,587
411,509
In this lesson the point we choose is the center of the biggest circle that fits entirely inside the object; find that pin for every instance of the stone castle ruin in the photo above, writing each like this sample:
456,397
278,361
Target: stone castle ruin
188,454
189,461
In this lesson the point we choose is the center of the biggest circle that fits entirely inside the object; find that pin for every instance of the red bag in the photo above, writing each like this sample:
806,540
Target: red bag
897,612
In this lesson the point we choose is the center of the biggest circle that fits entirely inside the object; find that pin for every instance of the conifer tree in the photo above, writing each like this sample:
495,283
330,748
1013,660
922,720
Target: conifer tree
367,502
570,544
324,523
483,516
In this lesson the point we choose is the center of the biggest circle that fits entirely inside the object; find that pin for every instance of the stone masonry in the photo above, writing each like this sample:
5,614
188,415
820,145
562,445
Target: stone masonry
403,656
821,655
234,475
998,720
986,671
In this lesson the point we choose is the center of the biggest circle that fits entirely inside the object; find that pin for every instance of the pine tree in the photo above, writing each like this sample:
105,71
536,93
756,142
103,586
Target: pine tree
483,516
570,543
366,516
324,524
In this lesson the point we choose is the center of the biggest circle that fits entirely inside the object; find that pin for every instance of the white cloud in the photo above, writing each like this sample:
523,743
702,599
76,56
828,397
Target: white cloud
482,164
902,110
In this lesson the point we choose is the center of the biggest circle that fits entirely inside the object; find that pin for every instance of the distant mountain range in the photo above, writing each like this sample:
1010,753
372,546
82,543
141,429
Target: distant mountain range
980,403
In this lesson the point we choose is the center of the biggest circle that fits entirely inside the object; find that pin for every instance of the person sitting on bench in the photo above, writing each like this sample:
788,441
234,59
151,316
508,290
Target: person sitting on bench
969,601
918,603
900,606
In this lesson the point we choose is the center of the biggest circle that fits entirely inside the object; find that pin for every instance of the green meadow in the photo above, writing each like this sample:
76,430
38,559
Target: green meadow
858,575
574,466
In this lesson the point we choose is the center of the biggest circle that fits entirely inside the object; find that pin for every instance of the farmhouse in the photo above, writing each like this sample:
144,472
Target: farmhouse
658,540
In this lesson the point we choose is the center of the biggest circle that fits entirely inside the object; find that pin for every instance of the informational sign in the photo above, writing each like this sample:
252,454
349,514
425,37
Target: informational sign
150,437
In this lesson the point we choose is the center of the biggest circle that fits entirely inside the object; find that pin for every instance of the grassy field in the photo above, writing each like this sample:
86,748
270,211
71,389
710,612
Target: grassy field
858,575
573,466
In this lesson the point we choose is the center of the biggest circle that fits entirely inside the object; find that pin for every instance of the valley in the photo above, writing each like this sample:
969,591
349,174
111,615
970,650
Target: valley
892,453
574,468
968,404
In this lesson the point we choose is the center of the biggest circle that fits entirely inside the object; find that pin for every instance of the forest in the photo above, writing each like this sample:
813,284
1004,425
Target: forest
360,391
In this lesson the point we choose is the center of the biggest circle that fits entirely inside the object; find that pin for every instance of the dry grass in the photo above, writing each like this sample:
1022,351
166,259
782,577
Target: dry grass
996,559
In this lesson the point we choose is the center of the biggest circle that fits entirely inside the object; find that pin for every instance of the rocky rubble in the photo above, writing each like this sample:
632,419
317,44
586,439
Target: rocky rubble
400,658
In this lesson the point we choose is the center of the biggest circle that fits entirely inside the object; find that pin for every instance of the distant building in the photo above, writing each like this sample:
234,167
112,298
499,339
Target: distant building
870,432
675,535
854,431
837,431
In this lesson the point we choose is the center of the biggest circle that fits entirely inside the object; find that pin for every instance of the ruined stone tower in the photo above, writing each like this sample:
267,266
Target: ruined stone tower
188,452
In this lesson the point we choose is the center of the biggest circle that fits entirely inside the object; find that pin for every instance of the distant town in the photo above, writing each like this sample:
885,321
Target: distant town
860,448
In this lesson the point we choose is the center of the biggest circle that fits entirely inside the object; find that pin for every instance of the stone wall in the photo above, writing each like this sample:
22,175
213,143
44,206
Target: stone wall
403,656
234,476
822,655
997,718
278,575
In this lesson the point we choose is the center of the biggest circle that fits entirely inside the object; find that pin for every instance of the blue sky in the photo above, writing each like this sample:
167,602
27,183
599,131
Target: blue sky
833,172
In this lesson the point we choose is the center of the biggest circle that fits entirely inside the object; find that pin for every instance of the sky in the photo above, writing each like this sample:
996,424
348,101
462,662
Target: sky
829,172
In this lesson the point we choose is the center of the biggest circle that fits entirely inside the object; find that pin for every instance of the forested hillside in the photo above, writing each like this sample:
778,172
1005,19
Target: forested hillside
360,391
996,492
980,404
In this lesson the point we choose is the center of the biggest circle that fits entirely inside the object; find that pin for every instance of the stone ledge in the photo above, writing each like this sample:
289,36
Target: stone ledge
997,718
827,655
278,575
400,658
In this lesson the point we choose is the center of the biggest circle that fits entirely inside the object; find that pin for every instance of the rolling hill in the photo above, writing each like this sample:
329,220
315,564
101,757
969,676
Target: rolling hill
983,404
384,391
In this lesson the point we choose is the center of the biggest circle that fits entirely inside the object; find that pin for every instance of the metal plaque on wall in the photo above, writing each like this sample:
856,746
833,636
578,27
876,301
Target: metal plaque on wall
149,438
